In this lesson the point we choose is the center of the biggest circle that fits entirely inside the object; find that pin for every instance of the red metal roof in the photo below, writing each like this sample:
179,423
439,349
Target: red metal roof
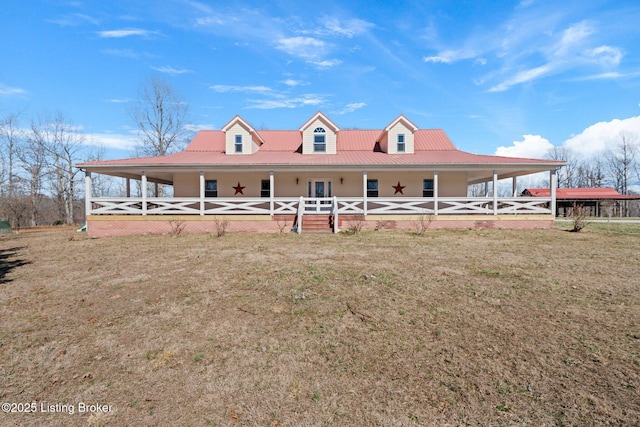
208,140
280,140
432,139
354,147
348,140
580,193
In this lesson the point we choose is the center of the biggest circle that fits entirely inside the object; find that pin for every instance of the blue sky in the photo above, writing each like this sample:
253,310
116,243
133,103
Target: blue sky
507,77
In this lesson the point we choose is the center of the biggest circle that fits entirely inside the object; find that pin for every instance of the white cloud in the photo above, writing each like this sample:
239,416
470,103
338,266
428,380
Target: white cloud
119,101
526,3
126,33
534,44
74,19
349,108
597,137
572,38
451,56
210,20
327,63
284,102
9,90
522,77
347,28
128,53
112,140
172,71
303,47
293,83
438,58
241,89
606,56
591,142
532,146
194,128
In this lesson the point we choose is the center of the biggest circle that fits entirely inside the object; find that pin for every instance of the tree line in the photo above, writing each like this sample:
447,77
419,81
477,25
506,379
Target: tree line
617,166
39,183
37,170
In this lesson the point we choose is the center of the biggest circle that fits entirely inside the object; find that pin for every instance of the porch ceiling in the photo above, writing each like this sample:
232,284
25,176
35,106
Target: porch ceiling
480,176
163,175
159,177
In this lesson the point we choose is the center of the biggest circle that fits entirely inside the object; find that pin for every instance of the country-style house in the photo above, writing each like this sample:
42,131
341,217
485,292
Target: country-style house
318,176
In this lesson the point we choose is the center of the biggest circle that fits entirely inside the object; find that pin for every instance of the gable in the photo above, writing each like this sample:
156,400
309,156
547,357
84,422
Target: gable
241,137
319,127
398,136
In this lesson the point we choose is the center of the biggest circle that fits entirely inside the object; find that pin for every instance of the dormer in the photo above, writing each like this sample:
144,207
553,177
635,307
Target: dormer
398,136
319,135
241,137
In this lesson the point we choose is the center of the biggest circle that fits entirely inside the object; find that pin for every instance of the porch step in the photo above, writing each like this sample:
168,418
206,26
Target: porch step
316,224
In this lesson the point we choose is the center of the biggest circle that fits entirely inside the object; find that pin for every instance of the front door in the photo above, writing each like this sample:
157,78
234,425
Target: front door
319,188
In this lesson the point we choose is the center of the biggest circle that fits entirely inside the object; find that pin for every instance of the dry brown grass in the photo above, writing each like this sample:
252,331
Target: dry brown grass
486,327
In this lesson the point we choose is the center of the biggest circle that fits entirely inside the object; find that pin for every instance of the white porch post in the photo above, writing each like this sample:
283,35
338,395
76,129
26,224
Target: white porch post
553,182
128,187
486,189
143,190
364,192
335,215
495,192
201,193
87,193
514,187
271,195
300,210
435,192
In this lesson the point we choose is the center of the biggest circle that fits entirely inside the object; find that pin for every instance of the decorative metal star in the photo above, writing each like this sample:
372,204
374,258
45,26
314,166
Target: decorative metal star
398,188
239,188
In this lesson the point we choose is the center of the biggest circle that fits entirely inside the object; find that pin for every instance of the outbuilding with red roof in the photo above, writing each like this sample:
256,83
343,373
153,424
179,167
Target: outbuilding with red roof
600,201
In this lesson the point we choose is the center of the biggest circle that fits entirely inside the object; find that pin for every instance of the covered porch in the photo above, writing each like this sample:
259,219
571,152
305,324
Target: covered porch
373,196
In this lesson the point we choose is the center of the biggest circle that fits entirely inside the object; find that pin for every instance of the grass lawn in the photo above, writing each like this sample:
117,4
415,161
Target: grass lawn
477,327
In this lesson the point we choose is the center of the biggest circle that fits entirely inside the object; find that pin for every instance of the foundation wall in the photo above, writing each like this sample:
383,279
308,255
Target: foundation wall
113,225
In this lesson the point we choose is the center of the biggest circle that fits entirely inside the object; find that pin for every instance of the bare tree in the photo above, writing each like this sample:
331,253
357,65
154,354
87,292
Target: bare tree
10,137
590,172
62,146
622,162
102,185
160,117
567,174
16,207
33,162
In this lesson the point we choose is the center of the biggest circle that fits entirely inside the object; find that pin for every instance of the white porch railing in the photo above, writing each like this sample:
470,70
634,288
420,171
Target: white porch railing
309,205
317,205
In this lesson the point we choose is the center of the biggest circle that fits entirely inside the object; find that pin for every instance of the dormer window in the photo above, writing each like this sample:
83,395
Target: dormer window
319,140
401,146
238,144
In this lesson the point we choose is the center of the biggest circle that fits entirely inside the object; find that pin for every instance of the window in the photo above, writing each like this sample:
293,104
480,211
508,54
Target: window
319,142
372,188
427,188
265,188
238,144
211,188
401,146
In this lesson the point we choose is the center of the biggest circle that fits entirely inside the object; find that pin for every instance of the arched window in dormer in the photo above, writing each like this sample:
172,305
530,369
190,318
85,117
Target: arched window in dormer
319,140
